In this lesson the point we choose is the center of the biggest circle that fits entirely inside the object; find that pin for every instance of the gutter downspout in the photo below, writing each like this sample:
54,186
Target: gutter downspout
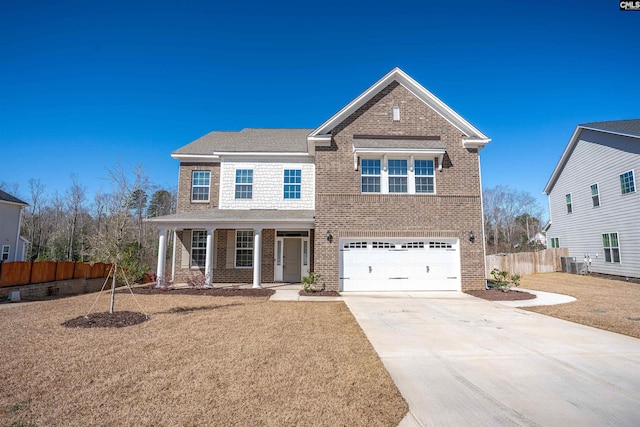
15,251
484,240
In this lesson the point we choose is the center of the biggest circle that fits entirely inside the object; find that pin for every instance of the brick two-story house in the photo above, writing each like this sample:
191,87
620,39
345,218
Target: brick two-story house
384,195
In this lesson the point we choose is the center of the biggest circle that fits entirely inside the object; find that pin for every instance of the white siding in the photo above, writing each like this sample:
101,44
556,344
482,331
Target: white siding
9,220
599,158
268,184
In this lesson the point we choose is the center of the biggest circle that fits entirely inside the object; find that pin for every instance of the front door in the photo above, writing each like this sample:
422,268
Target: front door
291,260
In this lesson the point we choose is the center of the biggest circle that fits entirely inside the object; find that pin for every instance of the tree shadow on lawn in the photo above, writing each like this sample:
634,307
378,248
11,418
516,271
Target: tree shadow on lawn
186,310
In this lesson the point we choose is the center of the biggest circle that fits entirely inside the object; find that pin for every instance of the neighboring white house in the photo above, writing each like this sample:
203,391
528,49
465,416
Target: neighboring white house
594,203
12,245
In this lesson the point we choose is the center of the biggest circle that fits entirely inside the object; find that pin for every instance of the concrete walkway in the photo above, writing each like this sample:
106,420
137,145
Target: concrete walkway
293,295
542,298
460,360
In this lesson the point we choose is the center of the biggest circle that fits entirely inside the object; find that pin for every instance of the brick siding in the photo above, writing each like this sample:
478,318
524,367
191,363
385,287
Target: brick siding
184,186
341,207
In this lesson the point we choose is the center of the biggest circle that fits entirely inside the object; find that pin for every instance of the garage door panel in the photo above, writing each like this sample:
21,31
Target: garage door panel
395,265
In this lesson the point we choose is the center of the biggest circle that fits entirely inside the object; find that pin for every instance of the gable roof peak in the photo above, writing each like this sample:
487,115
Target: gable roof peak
473,137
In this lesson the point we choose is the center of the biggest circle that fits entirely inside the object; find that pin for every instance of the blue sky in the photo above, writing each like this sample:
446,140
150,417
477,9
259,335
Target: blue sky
83,83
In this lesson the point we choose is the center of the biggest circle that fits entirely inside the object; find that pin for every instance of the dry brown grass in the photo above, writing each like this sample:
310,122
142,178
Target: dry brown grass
612,305
200,360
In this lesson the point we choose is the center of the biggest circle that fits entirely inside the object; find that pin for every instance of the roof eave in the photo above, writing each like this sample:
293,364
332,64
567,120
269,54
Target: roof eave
475,143
195,157
9,202
563,159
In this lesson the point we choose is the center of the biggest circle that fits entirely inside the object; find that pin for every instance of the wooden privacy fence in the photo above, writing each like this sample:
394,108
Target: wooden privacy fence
26,273
523,263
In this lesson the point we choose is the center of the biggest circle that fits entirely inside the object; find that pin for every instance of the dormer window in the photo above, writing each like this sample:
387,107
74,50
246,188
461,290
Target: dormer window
395,113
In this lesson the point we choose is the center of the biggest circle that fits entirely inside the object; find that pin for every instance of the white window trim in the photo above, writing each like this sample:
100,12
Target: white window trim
235,251
191,265
411,176
8,252
193,186
592,196
611,249
566,205
635,185
235,188
284,184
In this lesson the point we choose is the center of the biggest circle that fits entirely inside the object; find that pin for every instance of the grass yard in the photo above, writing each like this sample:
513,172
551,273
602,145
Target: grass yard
200,360
607,304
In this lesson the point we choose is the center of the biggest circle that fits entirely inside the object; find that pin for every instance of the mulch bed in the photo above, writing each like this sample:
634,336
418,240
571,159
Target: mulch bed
119,319
319,294
216,292
498,295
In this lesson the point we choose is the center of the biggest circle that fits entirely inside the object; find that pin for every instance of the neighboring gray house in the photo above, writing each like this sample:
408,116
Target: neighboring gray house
12,245
593,197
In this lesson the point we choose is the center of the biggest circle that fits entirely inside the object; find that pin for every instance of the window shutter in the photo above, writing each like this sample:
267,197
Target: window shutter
231,249
185,259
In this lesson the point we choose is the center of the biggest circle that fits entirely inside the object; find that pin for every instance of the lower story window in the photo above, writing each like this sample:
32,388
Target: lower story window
244,248
198,248
611,247
555,242
5,252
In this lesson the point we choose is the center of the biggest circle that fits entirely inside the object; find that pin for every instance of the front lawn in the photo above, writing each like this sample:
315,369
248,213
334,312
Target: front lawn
200,360
613,305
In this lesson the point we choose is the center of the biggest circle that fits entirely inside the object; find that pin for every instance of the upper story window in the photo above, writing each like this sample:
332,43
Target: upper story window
198,248
400,176
397,176
611,247
200,183
424,173
244,248
627,183
567,200
292,183
370,180
244,183
595,195
5,252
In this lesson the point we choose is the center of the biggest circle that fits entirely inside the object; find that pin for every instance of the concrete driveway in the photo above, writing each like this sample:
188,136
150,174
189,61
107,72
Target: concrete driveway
459,360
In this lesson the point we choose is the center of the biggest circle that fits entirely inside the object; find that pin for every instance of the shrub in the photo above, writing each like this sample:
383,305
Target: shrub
503,281
310,282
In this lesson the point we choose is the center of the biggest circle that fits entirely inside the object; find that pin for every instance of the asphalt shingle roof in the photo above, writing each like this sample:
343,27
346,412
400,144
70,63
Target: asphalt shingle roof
6,197
629,127
249,140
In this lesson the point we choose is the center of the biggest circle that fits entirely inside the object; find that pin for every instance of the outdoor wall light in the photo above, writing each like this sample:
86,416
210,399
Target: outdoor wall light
472,238
329,236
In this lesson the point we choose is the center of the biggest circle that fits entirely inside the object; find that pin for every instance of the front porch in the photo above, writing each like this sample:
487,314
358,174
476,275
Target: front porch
236,248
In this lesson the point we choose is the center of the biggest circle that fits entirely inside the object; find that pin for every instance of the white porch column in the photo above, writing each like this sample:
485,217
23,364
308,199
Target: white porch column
162,255
257,256
208,260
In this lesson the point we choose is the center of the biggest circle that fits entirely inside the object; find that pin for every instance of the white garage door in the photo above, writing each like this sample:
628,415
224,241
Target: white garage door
400,265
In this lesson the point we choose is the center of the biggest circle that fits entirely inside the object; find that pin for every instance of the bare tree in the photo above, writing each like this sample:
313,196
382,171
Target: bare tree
32,224
12,188
502,208
115,240
75,206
